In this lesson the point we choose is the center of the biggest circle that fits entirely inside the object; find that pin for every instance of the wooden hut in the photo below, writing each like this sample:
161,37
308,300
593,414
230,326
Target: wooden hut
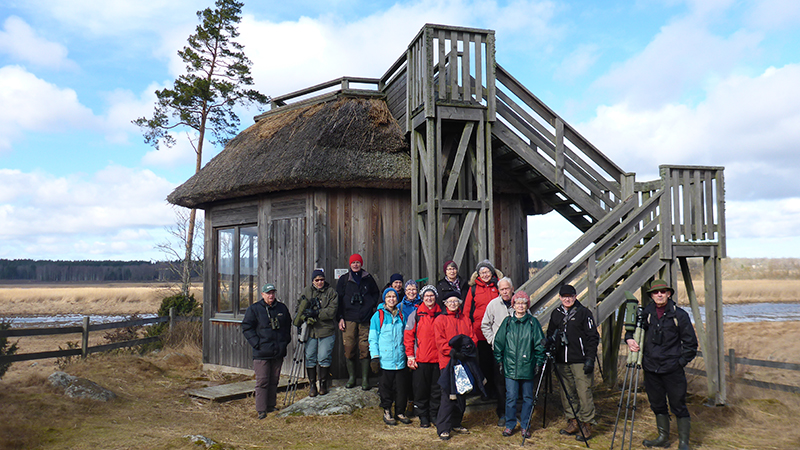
303,188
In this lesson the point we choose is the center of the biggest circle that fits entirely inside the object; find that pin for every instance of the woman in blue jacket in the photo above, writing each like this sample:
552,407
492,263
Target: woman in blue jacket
388,353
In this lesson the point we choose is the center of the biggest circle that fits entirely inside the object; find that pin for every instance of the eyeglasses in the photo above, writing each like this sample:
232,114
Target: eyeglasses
319,280
452,300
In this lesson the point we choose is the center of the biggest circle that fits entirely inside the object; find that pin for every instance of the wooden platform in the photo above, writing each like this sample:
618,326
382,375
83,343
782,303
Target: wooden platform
233,391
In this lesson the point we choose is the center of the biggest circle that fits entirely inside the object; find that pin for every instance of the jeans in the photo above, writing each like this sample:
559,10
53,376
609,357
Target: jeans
320,351
512,393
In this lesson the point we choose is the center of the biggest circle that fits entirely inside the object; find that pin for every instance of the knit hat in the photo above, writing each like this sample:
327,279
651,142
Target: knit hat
449,294
386,291
426,289
659,284
567,290
395,277
485,263
317,273
520,295
448,264
356,257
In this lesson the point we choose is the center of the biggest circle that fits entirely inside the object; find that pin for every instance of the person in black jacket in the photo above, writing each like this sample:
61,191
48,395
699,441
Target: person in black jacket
267,326
669,344
575,335
358,300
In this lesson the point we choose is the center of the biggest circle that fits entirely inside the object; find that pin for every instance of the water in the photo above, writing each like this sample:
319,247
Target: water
755,312
67,320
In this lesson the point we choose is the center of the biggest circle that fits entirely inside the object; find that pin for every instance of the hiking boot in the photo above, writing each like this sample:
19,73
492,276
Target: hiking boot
526,433
262,415
403,419
460,429
364,374
571,429
684,425
424,422
662,440
324,379
508,432
351,374
444,435
586,432
312,381
387,418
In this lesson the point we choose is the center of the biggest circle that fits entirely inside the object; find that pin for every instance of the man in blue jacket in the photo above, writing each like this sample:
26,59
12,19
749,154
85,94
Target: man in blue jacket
267,327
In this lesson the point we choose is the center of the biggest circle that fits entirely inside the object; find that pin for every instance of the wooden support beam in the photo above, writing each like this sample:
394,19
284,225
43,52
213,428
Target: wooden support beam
695,305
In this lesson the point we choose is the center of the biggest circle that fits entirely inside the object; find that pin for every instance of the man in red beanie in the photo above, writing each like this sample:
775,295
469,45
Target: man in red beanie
358,299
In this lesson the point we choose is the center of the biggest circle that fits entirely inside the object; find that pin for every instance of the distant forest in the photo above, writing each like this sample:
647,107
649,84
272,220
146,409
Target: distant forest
83,271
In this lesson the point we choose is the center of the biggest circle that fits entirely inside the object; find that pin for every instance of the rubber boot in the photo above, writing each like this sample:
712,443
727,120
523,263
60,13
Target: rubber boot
662,424
365,374
324,378
312,381
684,424
351,373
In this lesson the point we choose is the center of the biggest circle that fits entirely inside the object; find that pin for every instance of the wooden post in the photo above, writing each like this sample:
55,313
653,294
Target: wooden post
732,363
611,338
85,337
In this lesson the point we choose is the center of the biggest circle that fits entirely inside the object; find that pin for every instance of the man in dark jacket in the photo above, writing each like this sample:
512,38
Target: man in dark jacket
267,326
358,300
669,344
575,335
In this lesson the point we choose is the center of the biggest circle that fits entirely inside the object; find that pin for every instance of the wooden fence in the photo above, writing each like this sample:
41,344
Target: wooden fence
85,329
735,361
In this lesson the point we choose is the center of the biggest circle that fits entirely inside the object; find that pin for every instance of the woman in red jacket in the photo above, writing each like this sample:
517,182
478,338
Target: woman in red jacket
449,324
423,356
482,290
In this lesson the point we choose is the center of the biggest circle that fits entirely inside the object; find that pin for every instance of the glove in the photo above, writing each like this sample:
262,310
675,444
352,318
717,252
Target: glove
311,312
537,369
588,366
550,342
375,365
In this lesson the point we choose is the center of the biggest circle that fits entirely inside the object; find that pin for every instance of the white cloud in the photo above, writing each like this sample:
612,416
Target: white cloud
683,55
115,198
20,41
772,14
749,125
32,104
181,154
577,63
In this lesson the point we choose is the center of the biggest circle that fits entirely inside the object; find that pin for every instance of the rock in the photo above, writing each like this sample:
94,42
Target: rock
198,439
61,380
83,388
339,400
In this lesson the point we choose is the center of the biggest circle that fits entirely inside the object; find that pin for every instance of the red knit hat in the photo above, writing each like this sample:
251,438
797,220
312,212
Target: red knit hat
356,257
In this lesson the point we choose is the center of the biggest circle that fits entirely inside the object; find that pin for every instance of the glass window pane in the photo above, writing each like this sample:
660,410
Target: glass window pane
225,265
248,267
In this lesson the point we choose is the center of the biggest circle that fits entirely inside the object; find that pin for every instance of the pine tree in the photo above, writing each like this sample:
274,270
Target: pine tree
217,79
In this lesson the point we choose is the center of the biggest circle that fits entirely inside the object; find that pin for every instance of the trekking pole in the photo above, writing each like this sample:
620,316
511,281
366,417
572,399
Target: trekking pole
298,357
536,396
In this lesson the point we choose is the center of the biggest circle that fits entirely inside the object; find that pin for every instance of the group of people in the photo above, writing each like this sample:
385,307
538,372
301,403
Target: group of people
436,344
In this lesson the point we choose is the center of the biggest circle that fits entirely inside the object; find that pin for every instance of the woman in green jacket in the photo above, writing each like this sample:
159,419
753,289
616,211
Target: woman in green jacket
519,350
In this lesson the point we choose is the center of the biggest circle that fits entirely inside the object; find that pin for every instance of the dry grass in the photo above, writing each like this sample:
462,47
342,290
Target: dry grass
153,412
100,299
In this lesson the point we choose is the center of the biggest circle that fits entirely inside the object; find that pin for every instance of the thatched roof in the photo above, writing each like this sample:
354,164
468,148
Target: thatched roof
349,142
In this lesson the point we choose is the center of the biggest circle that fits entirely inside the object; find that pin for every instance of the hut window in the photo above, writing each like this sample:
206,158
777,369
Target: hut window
237,268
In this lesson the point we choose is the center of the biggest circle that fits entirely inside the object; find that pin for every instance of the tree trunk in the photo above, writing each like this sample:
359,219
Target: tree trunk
186,275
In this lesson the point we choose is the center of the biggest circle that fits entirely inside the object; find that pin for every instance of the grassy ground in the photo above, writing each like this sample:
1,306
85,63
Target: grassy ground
153,412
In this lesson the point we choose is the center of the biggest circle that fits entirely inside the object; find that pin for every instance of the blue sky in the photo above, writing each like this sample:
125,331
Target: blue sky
649,82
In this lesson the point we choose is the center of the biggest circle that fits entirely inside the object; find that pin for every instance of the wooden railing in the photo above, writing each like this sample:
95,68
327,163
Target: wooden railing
618,253
570,157
735,361
695,201
85,329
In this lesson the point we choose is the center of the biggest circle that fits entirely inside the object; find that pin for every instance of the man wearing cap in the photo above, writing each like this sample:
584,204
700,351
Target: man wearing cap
573,332
358,299
267,326
318,307
496,311
669,344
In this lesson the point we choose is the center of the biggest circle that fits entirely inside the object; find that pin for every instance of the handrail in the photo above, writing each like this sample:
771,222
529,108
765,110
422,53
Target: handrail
344,82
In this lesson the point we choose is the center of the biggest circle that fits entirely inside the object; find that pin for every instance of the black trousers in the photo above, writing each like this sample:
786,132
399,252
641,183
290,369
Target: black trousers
671,386
392,388
451,412
495,381
427,392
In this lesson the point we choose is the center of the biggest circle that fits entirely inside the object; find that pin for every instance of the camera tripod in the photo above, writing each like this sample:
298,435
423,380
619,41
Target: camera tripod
296,371
544,377
634,364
